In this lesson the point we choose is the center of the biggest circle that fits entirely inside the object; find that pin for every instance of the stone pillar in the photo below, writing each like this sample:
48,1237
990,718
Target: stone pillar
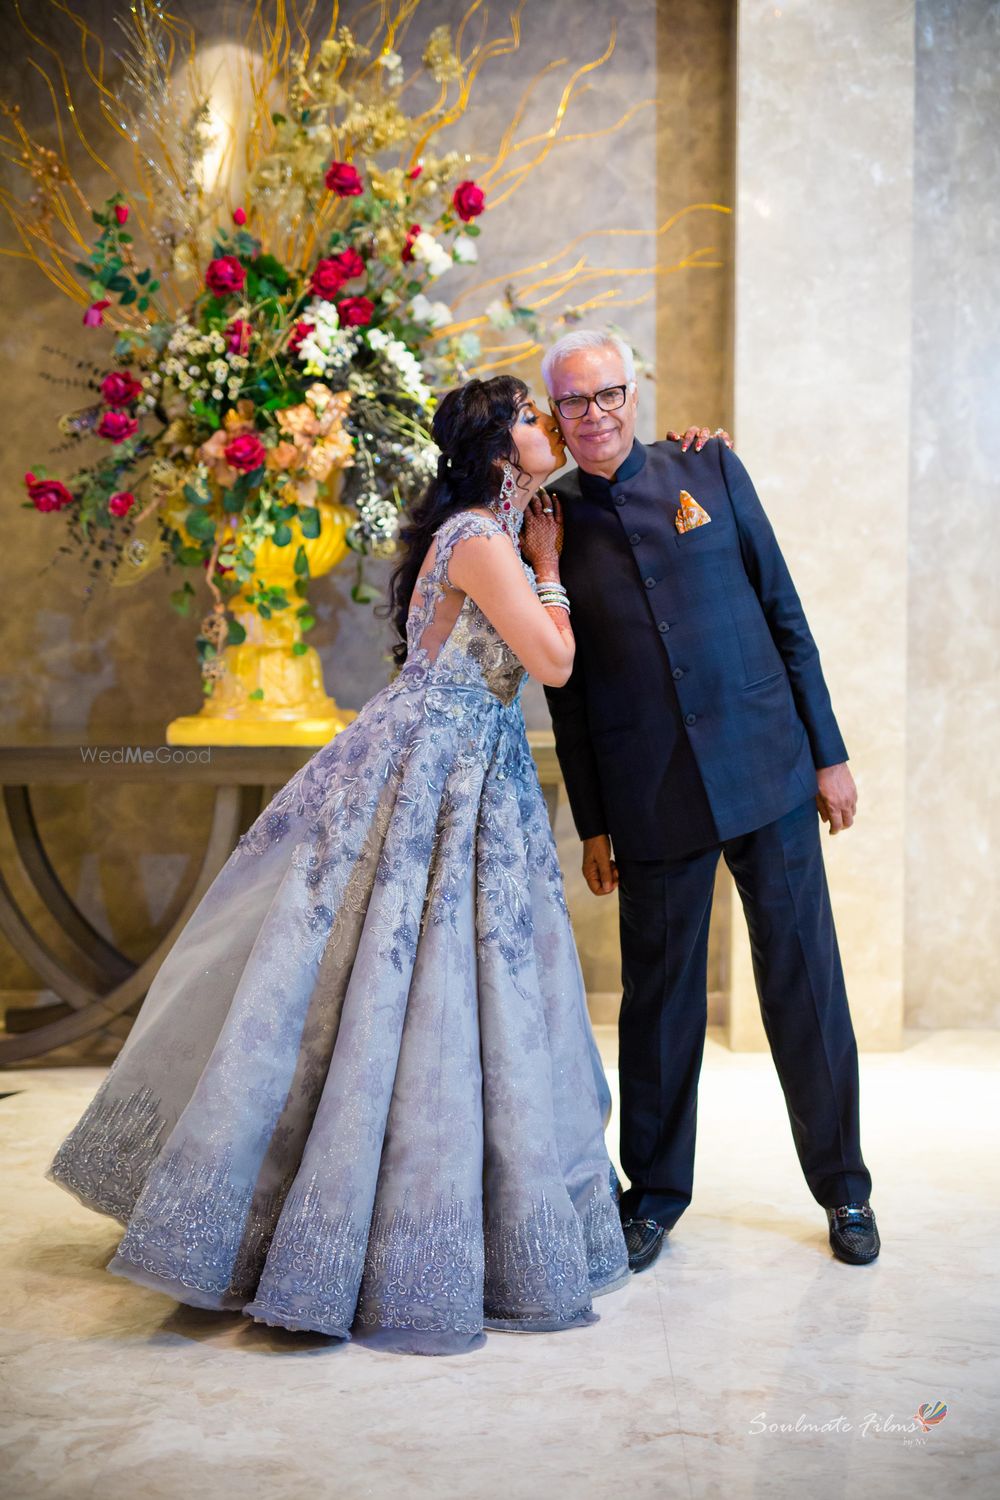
824,187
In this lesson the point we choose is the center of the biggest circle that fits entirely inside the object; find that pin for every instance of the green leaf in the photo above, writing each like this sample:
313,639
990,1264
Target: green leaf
306,620
129,295
117,283
84,267
472,230
282,535
263,611
208,414
236,635
142,304
200,525
309,520
301,561
181,599
195,497
299,648
232,501
154,286
246,557
143,276
191,557
363,593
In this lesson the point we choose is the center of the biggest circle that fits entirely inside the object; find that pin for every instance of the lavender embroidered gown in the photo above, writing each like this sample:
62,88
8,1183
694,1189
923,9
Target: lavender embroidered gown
362,1095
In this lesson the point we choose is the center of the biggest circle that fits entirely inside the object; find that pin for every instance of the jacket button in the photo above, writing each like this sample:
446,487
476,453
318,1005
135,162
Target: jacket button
650,583
619,499
690,718
635,539
678,672
663,627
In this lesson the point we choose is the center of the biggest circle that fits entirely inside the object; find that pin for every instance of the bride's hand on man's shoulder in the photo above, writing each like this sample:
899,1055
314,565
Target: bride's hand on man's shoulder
542,537
699,436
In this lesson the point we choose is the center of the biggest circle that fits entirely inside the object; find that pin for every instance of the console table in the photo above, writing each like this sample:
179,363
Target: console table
244,778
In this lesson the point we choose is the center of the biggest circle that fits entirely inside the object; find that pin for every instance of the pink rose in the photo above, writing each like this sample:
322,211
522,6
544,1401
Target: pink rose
354,312
120,388
468,200
122,503
239,217
238,336
48,494
411,236
94,316
299,333
245,452
327,278
414,172
121,212
116,426
350,263
343,179
225,276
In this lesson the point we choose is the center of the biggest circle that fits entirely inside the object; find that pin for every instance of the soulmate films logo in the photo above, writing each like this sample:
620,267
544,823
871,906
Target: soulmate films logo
929,1414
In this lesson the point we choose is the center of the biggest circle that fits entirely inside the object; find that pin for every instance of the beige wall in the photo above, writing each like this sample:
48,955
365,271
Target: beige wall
821,407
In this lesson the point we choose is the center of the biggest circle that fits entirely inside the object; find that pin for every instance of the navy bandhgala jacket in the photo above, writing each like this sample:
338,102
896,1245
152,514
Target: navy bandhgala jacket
697,709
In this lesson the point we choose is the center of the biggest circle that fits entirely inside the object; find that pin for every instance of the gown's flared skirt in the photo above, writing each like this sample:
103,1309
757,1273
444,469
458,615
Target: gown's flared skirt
362,1096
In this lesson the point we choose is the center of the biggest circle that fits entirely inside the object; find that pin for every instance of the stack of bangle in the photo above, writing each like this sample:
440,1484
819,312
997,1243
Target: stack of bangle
553,594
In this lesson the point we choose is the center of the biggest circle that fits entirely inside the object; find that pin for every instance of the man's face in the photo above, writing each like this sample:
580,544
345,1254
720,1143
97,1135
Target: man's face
602,440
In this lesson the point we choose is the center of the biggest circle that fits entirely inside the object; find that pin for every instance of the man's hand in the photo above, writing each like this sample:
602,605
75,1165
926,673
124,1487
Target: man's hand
699,436
838,797
599,869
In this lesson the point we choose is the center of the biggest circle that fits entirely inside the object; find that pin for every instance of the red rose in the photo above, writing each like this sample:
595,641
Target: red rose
468,200
343,179
48,494
411,235
122,503
120,388
354,312
414,173
116,426
350,263
238,336
239,217
121,212
327,278
225,276
245,452
300,332
94,316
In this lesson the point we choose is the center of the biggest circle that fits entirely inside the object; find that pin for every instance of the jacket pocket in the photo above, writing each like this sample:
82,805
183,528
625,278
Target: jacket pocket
761,682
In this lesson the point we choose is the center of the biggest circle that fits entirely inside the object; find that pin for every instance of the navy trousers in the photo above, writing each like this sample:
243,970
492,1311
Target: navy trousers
664,912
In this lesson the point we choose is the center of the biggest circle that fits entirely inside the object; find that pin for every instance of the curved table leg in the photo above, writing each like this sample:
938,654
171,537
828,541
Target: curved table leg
92,1011
111,965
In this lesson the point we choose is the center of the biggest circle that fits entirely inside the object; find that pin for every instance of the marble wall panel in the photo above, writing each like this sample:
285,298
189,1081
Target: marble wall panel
822,384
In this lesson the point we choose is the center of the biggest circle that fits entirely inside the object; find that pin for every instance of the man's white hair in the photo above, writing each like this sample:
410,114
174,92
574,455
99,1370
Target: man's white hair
586,338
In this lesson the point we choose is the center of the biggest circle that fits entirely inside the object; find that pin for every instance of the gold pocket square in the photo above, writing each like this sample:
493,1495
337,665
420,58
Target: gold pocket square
691,514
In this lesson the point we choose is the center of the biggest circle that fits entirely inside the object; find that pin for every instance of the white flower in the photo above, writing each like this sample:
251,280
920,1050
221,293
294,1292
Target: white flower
464,250
499,314
434,314
435,257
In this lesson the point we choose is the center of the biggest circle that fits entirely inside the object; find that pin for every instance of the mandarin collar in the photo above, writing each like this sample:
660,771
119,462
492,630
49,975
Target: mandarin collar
598,485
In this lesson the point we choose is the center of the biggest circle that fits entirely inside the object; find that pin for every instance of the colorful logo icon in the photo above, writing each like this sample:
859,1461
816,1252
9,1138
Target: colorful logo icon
930,1414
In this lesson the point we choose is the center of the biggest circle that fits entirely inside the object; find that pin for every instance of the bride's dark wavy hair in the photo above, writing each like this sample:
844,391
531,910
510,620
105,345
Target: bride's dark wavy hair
473,429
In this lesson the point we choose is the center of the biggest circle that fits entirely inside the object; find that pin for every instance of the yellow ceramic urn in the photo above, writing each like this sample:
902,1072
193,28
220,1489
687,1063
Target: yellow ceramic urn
267,692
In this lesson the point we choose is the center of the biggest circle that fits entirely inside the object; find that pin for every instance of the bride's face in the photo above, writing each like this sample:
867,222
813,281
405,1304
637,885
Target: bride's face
539,442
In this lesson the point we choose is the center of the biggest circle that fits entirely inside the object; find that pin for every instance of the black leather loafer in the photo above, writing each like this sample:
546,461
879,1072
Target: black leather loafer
854,1233
644,1241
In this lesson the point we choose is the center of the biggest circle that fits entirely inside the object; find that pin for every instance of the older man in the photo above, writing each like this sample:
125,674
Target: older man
697,724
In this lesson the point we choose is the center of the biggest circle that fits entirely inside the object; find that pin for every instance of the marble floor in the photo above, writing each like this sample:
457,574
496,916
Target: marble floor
747,1362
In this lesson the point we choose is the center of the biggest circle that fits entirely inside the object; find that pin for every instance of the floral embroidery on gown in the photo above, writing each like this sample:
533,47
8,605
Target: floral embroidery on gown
362,1095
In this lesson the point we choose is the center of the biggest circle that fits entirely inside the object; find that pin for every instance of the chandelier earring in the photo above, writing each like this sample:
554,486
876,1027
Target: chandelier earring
504,508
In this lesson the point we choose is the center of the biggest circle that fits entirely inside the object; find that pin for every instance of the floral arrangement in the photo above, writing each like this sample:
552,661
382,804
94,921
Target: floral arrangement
270,354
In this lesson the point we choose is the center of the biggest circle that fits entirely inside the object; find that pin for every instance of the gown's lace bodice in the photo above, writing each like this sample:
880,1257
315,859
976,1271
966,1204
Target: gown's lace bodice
472,654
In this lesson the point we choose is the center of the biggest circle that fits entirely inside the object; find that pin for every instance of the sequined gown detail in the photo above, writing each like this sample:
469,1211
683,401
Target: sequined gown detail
362,1095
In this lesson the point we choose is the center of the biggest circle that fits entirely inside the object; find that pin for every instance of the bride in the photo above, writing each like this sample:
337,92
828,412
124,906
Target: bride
362,1096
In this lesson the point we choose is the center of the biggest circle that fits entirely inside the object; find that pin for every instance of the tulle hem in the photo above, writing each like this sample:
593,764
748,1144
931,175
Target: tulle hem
180,1291
85,1199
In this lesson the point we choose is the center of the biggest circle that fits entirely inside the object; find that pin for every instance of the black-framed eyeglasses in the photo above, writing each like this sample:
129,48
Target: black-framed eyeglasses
609,399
